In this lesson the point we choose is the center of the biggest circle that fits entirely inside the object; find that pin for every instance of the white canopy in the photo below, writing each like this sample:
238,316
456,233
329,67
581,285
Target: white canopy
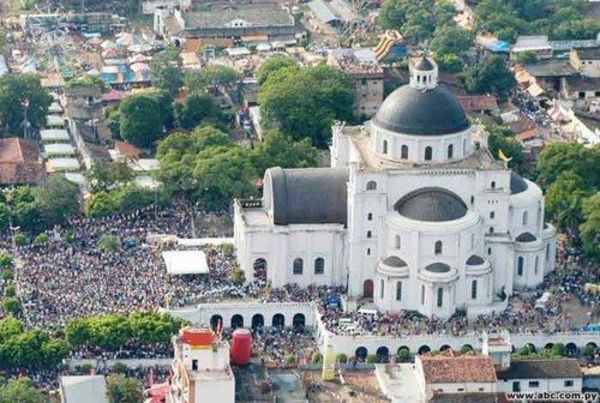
62,164
180,262
48,135
59,149
54,121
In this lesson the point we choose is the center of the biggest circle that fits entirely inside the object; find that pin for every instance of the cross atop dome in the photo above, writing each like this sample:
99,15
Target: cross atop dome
423,73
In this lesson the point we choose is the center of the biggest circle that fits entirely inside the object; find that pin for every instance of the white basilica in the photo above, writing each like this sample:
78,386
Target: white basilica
414,213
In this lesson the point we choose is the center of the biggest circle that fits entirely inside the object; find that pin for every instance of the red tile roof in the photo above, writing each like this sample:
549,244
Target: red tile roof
477,103
19,162
459,369
127,149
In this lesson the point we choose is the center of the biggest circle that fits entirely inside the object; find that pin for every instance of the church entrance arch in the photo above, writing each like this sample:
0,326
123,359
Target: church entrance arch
260,271
278,320
299,321
368,289
361,353
237,321
258,321
216,321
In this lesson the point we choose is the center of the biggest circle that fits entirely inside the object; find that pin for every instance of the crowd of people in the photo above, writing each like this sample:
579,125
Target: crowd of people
73,275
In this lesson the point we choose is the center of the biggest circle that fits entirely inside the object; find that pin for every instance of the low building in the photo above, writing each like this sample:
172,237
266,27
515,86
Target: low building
586,61
366,73
536,44
201,370
478,104
546,375
87,388
455,375
20,162
226,21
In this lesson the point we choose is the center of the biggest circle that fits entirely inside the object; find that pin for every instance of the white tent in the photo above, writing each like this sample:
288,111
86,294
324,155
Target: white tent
180,262
51,135
55,121
62,164
64,149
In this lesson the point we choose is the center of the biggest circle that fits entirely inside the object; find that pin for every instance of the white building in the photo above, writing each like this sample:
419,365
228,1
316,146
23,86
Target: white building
414,212
201,371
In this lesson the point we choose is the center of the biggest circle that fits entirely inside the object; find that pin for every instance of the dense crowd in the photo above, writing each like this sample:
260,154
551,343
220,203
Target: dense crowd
563,287
72,275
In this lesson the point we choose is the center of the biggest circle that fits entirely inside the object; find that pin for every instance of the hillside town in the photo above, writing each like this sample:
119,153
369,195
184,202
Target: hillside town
310,201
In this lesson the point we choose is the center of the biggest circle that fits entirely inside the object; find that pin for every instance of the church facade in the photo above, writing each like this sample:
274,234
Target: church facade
415,213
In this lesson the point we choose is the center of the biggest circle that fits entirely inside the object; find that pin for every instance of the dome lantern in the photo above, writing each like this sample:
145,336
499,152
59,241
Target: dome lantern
423,74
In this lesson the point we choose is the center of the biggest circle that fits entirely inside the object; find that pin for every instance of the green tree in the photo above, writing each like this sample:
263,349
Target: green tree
590,228
4,217
416,19
198,109
124,390
491,76
77,332
450,63
210,78
21,391
558,350
41,239
272,65
316,358
451,39
501,138
238,277
15,92
10,327
404,355
222,175
112,120
54,351
167,74
104,175
526,57
279,150
10,291
119,368
371,359
560,157
109,242
141,119
20,240
341,358
101,204
564,201
57,200
11,305
151,327
5,260
130,198
304,103
110,331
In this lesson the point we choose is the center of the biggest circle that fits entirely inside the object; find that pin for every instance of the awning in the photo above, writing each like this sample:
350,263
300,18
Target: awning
180,262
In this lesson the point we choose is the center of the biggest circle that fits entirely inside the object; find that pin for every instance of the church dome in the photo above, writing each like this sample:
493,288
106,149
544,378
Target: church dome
432,205
429,112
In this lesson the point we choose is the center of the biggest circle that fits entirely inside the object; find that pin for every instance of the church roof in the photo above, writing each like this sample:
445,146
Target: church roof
429,112
431,204
475,260
526,237
394,261
438,267
306,196
424,65
517,183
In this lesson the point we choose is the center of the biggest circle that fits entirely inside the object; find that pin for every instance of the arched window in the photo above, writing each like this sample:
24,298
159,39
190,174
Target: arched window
525,218
493,185
398,242
370,216
319,265
381,288
547,252
399,291
440,297
298,266
474,289
450,151
491,230
404,152
537,262
371,185
369,234
422,295
428,153
385,146
520,266
464,147
368,251
438,247
492,215
472,199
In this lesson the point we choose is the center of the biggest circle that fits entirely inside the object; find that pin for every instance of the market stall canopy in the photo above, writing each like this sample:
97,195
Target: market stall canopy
54,135
180,262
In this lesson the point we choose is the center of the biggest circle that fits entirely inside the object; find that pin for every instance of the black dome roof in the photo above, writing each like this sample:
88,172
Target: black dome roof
517,183
431,204
526,237
475,260
424,65
431,112
438,268
394,261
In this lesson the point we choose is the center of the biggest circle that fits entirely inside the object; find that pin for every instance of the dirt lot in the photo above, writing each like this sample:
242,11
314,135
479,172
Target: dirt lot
359,387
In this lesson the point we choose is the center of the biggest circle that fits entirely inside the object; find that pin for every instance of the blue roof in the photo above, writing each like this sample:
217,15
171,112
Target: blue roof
499,46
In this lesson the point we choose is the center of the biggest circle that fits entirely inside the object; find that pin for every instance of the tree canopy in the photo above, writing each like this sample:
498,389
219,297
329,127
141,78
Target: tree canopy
124,390
144,117
491,76
273,64
279,150
167,74
502,138
210,78
21,391
304,102
20,92
590,227
197,109
57,200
